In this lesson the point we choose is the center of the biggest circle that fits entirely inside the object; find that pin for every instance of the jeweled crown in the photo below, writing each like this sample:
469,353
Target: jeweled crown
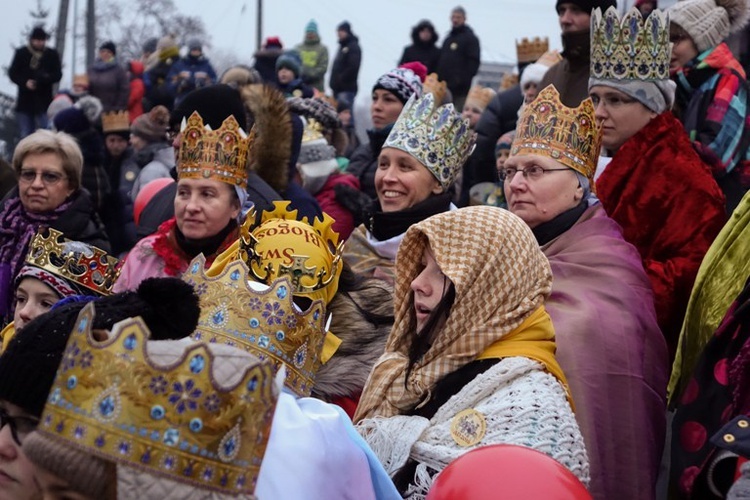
264,322
110,398
630,48
528,51
115,121
569,135
220,154
438,137
80,263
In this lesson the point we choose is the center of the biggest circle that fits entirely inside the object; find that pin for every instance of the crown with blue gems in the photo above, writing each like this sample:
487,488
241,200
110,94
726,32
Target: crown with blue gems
80,263
112,399
238,311
436,136
630,48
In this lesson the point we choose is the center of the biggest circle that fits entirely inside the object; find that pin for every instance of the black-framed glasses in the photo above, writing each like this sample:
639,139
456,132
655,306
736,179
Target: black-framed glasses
531,172
48,178
20,426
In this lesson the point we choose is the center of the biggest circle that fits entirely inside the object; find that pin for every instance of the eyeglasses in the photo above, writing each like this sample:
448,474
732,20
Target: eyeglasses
20,427
48,178
532,172
611,101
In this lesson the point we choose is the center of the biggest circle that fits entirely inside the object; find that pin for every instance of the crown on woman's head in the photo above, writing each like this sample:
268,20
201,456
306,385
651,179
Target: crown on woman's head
220,154
110,398
438,137
631,48
266,322
78,262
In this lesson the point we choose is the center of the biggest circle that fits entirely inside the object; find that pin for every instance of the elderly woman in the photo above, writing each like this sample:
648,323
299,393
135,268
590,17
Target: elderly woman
417,165
617,373
470,360
48,166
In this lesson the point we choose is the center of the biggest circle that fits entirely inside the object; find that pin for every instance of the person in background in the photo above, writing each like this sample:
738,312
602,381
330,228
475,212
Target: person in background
159,90
459,57
345,69
35,70
194,71
477,100
137,89
152,153
344,110
314,56
108,80
534,73
423,48
265,58
288,67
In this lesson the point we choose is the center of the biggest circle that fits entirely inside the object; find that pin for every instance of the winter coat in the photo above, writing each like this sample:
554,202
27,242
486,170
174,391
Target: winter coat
326,198
295,88
137,90
459,60
670,208
265,63
158,89
153,162
188,74
364,160
345,69
117,214
571,75
46,74
94,178
108,81
425,52
314,56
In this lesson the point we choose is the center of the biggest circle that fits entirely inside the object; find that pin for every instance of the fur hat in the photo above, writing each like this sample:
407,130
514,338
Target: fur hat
401,82
214,103
152,126
110,46
291,61
534,72
709,22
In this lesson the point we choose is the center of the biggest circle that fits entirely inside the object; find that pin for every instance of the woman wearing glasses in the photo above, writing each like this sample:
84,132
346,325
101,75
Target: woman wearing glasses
49,193
608,342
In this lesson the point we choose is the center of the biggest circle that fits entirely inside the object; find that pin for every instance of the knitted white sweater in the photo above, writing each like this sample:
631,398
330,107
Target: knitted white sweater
522,405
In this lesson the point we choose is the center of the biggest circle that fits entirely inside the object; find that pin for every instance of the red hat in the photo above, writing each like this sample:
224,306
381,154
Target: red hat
418,68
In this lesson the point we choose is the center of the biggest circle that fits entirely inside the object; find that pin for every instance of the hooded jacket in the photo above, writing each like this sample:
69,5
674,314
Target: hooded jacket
427,52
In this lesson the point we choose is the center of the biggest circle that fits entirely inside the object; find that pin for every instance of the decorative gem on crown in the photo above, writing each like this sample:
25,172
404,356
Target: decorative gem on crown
220,154
80,263
631,48
115,121
436,136
528,51
110,398
265,322
571,136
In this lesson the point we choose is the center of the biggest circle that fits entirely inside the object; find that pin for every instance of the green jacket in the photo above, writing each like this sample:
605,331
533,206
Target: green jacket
314,56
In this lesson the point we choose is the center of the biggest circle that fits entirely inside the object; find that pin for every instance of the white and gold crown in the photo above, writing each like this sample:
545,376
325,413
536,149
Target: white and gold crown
111,399
438,137
630,48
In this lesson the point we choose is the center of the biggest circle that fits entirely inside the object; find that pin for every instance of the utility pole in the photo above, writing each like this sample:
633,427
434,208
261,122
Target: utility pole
259,26
60,32
90,32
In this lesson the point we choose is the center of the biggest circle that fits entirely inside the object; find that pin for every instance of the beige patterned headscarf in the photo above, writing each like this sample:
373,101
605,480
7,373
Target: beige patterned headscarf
500,276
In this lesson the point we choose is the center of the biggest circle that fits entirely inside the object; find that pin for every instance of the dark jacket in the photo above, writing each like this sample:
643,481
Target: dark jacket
295,88
158,90
345,69
364,160
188,74
459,60
94,177
117,214
265,63
571,75
109,82
499,117
46,74
425,52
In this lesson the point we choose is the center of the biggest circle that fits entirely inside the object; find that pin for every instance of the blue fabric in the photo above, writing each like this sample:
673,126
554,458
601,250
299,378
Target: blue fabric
29,123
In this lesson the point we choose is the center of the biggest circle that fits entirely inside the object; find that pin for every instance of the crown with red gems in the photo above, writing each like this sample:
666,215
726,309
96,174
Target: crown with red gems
220,154
114,399
78,262
569,135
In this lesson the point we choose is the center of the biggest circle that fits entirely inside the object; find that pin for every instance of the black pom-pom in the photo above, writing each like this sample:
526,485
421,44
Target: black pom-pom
173,308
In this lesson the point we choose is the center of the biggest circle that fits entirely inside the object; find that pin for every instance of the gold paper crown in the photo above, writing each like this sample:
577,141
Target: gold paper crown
528,51
631,48
569,135
219,154
482,95
111,399
266,323
115,121
313,130
77,262
509,80
433,85
438,137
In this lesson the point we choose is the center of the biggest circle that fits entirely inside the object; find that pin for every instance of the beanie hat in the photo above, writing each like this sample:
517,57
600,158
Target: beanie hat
62,287
534,72
589,5
312,27
38,33
214,103
169,307
79,117
345,26
273,41
110,46
194,44
709,22
418,68
152,126
291,61
59,103
656,95
401,82
149,46
167,48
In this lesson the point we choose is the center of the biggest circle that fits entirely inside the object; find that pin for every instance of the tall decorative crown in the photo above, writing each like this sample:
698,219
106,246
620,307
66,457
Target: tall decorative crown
112,399
237,311
569,135
528,51
214,154
115,121
77,262
436,136
631,48
433,85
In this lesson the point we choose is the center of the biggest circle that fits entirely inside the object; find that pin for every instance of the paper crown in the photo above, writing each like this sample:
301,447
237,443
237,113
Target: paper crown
220,155
509,79
528,51
80,263
436,136
631,48
569,135
433,85
115,121
481,95
110,398
265,323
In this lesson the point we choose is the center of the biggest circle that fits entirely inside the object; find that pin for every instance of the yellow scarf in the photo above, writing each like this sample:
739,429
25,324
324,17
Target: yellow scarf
8,333
533,339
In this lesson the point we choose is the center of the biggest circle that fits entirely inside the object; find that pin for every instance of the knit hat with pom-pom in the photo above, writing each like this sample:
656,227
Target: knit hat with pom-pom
79,117
709,22
152,126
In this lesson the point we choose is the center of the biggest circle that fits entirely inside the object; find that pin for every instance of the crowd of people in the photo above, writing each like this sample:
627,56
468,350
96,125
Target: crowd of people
207,281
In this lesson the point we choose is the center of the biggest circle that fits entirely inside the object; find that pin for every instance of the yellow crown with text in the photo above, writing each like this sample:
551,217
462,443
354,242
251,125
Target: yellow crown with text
115,121
220,155
265,322
569,135
111,399
80,263
528,51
